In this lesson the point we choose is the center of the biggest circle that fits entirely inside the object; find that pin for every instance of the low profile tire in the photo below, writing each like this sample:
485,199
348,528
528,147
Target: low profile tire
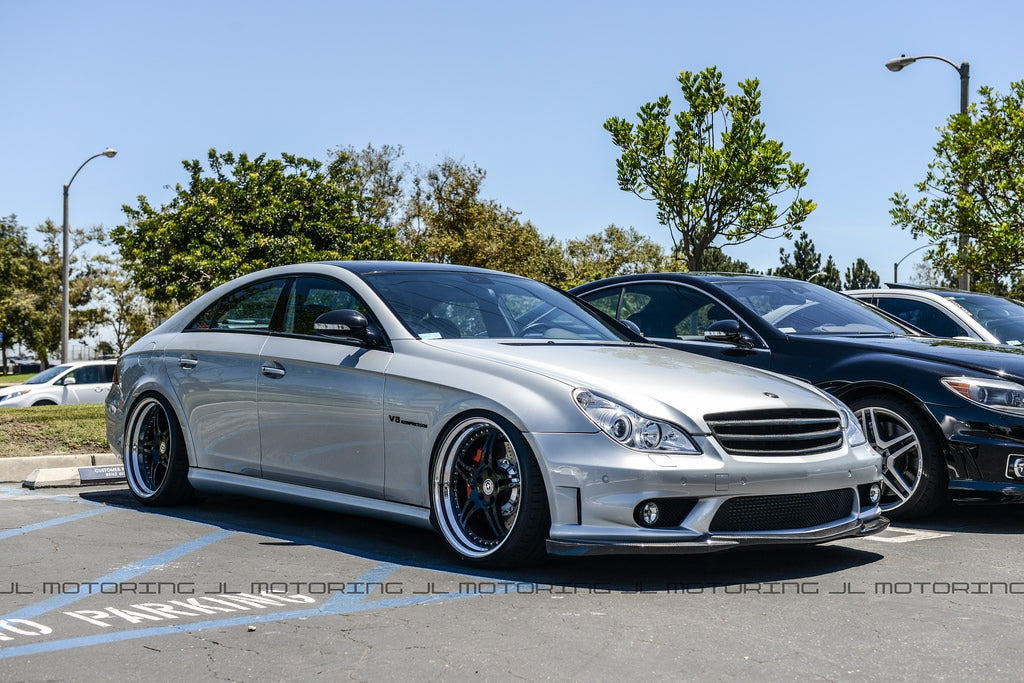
155,460
914,478
487,494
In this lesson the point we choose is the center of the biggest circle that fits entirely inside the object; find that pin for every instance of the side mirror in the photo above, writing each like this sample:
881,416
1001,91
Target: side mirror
69,380
727,331
347,324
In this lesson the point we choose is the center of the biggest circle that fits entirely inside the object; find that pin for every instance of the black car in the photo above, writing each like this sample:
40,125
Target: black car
947,415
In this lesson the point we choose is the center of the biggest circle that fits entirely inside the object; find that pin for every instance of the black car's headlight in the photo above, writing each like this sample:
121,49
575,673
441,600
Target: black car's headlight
632,429
996,394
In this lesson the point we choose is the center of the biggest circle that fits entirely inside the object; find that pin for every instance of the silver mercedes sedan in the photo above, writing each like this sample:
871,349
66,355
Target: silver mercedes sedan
509,416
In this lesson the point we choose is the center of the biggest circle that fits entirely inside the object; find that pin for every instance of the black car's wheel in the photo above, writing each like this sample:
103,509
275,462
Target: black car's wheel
914,477
155,460
487,494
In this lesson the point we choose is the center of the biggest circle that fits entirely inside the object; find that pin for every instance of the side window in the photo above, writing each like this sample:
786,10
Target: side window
250,309
924,316
667,311
606,300
311,297
87,374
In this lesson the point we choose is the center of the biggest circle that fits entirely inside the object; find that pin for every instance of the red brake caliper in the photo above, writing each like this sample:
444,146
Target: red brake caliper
475,460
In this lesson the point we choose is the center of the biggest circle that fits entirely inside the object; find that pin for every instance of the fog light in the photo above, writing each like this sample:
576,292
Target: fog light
649,513
1015,466
874,493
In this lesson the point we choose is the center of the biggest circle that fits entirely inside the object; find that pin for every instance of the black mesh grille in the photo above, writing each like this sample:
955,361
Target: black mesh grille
791,511
777,432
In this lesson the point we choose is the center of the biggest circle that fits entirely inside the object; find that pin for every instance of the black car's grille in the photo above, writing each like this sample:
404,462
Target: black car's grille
777,432
790,511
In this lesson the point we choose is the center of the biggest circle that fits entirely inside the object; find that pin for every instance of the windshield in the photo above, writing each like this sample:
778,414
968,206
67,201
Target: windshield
796,307
48,374
1002,317
446,304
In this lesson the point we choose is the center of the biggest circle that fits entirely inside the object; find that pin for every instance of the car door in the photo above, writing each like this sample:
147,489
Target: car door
320,399
213,365
91,383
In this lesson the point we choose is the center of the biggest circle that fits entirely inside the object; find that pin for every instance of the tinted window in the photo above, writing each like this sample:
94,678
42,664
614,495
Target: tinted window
437,304
670,311
920,314
1002,317
311,297
249,308
796,307
93,374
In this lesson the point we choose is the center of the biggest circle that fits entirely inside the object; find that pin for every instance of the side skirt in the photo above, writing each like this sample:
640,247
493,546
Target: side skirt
212,481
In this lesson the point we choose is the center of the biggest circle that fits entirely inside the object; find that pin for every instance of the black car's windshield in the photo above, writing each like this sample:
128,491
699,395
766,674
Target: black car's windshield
450,304
796,307
1002,317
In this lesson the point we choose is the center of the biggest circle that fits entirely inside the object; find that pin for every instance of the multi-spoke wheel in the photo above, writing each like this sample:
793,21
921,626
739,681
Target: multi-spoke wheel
487,494
914,477
155,460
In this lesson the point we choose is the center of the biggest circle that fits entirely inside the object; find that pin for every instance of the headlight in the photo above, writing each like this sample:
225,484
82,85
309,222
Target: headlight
14,394
851,425
996,394
632,429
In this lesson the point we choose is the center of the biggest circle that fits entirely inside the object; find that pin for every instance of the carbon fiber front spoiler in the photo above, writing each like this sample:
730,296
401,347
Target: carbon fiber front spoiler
717,542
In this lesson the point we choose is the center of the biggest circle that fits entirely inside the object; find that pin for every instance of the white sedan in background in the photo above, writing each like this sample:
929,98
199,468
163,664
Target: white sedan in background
77,382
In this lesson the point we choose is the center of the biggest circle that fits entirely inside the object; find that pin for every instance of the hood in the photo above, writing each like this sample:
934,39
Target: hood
656,381
993,359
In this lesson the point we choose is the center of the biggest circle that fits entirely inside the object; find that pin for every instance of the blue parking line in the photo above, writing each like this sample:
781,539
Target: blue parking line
342,603
121,575
28,528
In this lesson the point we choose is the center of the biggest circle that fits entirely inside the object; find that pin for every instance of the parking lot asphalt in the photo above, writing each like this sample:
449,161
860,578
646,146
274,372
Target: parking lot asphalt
95,587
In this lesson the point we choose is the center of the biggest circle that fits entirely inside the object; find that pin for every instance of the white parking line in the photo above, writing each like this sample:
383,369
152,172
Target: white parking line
891,535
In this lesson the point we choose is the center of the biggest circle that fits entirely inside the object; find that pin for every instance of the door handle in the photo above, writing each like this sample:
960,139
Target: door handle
271,371
187,363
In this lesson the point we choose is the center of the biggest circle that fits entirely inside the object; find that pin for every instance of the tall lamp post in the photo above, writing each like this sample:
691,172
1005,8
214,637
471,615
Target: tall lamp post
896,265
65,312
965,97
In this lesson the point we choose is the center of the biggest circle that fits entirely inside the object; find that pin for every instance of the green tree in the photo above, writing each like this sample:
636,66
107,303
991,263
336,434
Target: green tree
18,259
975,184
716,175
377,176
450,223
32,309
247,214
805,264
860,276
614,251
716,261
131,315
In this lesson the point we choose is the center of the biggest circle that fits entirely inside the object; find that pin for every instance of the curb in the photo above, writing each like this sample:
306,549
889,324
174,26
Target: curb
55,470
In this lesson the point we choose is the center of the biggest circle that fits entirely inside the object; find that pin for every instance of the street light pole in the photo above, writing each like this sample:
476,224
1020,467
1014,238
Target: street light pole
896,266
964,70
65,305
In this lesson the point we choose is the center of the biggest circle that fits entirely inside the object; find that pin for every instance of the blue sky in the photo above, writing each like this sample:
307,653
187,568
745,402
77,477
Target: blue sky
519,88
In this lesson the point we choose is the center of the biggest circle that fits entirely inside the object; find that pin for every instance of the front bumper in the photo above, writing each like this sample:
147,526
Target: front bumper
597,488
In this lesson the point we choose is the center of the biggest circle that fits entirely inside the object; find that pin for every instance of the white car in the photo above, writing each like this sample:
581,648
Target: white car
951,313
77,382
